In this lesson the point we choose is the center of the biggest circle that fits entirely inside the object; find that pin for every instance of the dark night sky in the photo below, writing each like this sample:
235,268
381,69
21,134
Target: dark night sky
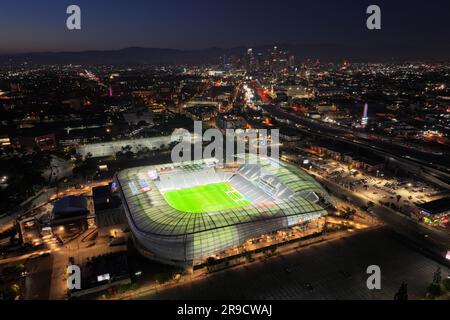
39,25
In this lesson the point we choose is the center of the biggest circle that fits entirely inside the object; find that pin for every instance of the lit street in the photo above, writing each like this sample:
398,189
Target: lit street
225,150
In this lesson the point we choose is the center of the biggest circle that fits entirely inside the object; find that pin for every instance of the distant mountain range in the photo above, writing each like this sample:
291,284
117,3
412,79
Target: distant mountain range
139,55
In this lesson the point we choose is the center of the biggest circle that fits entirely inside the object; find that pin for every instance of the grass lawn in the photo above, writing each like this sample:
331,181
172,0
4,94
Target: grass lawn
213,197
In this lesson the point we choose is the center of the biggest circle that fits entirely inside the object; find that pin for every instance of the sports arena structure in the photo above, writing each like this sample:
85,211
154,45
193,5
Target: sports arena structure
181,214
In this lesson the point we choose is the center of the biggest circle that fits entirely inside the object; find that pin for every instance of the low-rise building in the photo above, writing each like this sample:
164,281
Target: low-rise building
435,211
69,216
109,215
44,142
230,122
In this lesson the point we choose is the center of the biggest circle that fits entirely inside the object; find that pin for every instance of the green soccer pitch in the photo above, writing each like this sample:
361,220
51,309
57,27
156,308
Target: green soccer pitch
209,198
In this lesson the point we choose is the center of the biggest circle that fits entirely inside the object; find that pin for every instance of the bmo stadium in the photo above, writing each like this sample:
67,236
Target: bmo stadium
181,214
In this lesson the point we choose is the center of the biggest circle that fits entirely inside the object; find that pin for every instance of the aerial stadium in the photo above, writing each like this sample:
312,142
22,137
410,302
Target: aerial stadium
181,214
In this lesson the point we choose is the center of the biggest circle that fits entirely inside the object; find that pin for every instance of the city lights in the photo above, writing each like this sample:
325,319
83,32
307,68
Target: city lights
241,151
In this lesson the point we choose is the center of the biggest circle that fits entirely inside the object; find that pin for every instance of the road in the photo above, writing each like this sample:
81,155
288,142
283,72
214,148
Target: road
334,270
37,283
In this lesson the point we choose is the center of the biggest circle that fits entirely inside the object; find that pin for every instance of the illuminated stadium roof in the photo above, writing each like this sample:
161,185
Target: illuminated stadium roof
184,212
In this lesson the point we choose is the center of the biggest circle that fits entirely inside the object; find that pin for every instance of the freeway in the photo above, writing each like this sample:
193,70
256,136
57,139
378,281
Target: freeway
434,168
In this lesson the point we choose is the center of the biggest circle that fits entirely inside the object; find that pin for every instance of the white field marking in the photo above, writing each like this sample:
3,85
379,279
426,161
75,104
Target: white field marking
235,196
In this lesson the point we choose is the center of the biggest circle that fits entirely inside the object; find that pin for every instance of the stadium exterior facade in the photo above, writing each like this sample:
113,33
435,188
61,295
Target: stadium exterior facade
280,196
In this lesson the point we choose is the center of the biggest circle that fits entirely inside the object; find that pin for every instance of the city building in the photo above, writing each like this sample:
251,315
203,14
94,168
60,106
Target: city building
74,104
140,116
30,232
71,212
41,142
201,113
435,211
109,214
5,141
107,149
344,155
230,122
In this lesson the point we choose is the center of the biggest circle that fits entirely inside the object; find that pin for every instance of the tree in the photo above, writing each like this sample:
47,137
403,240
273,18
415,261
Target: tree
10,273
163,277
127,148
434,290
127,152
30,179
86,169
41,162
446,284
10,292
210,262
119,155
326,228
348,213
248,256
172,144
402,294
399,197
145,150
437,277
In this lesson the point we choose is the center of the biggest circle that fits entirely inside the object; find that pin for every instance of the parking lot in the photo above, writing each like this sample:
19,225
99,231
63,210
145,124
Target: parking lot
331,270
400,194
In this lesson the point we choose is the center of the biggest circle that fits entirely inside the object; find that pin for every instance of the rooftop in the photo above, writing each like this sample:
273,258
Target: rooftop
436,207
151,214
104,199
70,206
